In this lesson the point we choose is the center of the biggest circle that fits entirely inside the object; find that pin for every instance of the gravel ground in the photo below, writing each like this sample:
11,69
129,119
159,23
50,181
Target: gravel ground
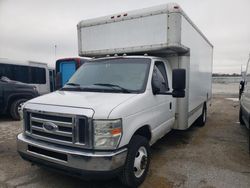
212,156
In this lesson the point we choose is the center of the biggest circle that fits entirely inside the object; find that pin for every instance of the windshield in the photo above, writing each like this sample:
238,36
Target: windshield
127,75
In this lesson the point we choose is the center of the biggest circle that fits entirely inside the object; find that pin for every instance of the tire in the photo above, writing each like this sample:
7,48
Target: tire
240,117
137,162
15,107
203,118
249,140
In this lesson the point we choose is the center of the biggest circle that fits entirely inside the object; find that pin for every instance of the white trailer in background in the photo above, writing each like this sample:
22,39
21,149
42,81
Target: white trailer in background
151,73
29,72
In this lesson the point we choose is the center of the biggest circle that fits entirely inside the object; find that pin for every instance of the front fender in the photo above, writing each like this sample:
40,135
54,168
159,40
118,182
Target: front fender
134,122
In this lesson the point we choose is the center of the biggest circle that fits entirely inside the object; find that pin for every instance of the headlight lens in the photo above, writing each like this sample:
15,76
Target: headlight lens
107,133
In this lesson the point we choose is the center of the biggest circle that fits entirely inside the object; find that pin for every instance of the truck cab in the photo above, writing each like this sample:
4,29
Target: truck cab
98,116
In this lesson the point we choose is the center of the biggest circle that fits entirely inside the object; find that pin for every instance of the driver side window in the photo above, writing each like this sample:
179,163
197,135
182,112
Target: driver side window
160,76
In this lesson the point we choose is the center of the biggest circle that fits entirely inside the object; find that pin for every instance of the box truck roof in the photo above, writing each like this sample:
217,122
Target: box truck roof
145,56
165,8
156,30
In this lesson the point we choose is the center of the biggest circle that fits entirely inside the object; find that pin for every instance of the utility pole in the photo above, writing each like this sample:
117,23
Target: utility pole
248,63
55,52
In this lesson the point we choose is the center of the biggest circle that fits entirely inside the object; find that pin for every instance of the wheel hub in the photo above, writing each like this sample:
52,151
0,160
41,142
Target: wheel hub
204,116
144,162
141,160
19,108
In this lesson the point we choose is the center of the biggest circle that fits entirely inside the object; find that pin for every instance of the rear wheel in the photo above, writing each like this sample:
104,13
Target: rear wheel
203,118
240,117
16,107
249,139
137,163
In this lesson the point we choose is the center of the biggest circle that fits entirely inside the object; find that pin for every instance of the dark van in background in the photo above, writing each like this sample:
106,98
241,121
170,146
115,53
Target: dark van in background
13,94
65,68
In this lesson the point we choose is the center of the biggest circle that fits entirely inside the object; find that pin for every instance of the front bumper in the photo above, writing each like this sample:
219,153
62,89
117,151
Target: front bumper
68,158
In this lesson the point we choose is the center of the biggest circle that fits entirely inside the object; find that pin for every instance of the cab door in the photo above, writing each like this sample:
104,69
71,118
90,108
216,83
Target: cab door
164,111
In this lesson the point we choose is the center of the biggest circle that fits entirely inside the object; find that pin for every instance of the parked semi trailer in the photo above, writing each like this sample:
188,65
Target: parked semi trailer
151,73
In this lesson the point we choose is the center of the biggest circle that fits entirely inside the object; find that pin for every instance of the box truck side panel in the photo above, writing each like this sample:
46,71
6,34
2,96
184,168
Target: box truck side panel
200,73
134,35
181,113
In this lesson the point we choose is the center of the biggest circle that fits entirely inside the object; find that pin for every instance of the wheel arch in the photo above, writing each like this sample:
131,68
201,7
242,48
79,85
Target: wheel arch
15,97
144,131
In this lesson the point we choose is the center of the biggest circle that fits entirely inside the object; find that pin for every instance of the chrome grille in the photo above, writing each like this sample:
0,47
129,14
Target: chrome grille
64,128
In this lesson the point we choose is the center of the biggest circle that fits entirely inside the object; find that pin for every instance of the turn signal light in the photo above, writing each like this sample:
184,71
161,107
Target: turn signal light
116,131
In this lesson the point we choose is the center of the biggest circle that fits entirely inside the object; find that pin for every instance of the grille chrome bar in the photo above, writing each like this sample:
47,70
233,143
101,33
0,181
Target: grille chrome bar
64,132
52,140
64,124
60,133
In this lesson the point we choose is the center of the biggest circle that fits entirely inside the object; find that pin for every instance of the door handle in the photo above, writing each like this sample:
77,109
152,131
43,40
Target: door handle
170,105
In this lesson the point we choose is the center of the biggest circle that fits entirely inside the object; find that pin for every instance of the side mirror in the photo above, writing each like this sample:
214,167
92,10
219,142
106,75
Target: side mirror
241,89
242,83
179,83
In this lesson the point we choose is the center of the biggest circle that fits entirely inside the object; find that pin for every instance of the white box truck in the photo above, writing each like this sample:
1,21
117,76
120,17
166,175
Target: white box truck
151,72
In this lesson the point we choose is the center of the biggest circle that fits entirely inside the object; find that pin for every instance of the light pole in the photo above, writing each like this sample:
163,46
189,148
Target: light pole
55,51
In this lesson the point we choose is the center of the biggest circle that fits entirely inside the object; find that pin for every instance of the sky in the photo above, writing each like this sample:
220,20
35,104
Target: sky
30,29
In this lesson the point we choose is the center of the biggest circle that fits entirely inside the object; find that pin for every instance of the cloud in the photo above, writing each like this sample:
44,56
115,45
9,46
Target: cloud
30,29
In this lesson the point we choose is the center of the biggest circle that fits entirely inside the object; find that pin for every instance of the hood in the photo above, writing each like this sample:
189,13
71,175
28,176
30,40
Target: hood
101,103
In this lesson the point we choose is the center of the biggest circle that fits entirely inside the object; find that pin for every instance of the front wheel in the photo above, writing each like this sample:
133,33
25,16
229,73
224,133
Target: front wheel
137,163
16,107
240,117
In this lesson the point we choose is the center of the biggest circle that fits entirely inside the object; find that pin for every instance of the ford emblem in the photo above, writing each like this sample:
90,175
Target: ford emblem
49,126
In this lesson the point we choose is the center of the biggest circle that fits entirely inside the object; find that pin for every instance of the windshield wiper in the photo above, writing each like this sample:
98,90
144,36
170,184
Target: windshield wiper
114,85
76,87
72,84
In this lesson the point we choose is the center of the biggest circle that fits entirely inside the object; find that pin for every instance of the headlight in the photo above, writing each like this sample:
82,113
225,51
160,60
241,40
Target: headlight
107,133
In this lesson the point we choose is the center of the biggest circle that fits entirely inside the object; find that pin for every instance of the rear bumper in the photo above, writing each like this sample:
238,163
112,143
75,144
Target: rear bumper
69,159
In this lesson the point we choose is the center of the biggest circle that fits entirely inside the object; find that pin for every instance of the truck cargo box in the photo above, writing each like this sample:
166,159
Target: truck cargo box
154,30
